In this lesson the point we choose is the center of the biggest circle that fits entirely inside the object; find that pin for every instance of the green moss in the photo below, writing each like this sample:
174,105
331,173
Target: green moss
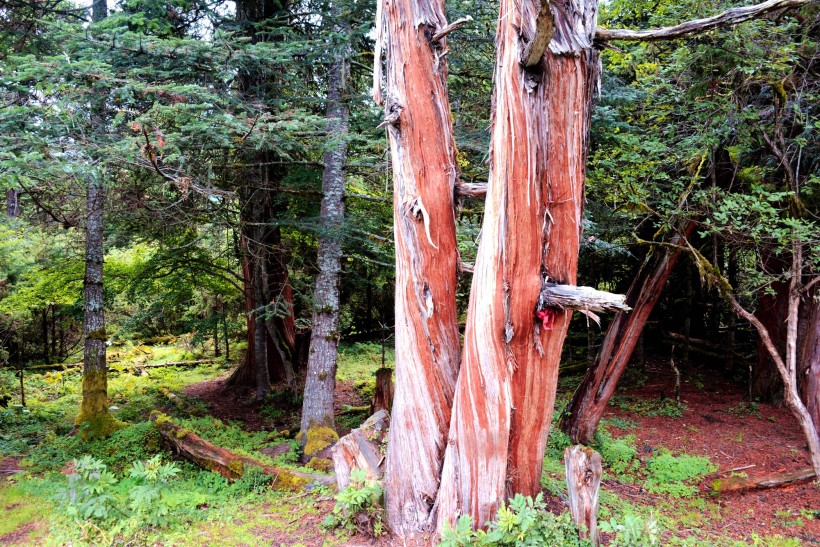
290,481
98,334
318,438
99,426
236,466
320,464
94,419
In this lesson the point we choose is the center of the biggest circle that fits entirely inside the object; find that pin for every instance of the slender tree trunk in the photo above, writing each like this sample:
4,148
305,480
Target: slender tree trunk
506,387
260,335
12,203
46,345
94,418
427,338
588,403
317,408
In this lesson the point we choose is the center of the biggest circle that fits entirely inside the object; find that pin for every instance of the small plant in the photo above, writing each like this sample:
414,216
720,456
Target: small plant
88,493
633,531
149,498
523,522
618,454
358,506
674,475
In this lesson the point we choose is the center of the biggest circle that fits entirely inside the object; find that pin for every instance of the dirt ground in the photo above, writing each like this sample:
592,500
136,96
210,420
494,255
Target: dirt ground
717,422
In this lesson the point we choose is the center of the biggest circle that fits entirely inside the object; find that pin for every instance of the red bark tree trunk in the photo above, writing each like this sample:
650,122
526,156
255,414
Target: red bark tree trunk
427,338
506,386
809,358
588,403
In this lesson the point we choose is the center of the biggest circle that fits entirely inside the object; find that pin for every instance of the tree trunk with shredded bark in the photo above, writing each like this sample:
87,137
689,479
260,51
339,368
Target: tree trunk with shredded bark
506,387
419,125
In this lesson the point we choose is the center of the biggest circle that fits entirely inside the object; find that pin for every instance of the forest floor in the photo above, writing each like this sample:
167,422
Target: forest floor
660,460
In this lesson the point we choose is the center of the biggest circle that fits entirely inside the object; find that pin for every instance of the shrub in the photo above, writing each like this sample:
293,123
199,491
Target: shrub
358,506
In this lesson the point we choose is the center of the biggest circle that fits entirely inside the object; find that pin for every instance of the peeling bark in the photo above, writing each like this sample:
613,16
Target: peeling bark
588,403
506,386
419,125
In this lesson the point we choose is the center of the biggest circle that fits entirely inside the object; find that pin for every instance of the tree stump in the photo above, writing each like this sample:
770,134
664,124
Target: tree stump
383,396
584,470
361,449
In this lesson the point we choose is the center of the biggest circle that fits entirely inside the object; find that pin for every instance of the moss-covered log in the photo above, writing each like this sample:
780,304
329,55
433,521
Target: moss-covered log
214,458
772,480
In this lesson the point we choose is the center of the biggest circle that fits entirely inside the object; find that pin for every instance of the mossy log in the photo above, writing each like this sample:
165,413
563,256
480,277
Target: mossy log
759,482
214,458
361,449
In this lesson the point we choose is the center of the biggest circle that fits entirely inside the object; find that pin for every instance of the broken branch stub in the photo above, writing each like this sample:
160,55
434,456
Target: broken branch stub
573,297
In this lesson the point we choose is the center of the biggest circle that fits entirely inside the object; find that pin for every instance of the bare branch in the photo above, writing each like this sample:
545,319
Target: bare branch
544,29
455,25
731,16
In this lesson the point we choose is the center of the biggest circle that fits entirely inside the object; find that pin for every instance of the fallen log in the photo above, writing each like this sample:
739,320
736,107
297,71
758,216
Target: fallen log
760,482
232,466
361,449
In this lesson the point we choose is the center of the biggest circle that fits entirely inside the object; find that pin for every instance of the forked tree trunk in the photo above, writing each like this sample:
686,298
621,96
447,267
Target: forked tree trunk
588,403
424,175
506,387
317,408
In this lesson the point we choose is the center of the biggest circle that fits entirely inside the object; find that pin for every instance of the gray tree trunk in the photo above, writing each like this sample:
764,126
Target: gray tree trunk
12,203
317,409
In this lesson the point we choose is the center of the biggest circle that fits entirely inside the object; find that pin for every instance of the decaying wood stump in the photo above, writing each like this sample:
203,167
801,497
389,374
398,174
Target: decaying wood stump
584,470
771,480
383,396
214,458
361,449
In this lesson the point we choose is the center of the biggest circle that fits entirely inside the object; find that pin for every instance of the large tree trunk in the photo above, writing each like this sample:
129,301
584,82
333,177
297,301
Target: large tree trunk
94,418
809,359
506,387
320,383
588,403
427,337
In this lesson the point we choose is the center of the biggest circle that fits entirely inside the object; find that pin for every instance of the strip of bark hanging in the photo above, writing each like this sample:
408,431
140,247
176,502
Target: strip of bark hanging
214,458
731,16
544,29
772,480
573,297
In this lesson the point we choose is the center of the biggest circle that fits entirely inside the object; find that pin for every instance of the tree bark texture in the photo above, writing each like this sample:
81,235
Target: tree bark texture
506,387
809,361
317,408
419,126
361,449
12,203
588,403
383,396
94,416
583,470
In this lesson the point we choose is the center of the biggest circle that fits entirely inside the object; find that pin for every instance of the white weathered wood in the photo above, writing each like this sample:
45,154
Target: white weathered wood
361,449
731,16
573,297
583,466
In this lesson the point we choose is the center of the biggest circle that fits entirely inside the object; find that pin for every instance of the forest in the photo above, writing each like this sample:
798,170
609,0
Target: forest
410,272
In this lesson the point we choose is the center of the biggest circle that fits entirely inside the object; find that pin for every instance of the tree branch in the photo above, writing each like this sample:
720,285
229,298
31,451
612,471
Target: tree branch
698,26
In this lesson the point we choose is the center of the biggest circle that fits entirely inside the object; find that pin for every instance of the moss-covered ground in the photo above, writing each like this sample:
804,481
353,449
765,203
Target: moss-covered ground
649,481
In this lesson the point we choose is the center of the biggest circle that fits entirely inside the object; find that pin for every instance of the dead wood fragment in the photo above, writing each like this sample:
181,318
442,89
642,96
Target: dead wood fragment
361,449
572,297
759,482
214,458
383,396
583,466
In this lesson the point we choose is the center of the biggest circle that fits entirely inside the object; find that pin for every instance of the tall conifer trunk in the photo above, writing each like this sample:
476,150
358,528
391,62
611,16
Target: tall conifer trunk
427,339
590,400
532,221
320,383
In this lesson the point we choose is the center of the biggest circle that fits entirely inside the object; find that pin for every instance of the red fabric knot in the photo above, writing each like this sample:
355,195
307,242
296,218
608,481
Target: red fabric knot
547,317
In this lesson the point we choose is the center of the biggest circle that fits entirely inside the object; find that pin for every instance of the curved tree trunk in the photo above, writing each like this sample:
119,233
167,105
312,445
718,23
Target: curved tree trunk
588,403
506,386
317,408
424,175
